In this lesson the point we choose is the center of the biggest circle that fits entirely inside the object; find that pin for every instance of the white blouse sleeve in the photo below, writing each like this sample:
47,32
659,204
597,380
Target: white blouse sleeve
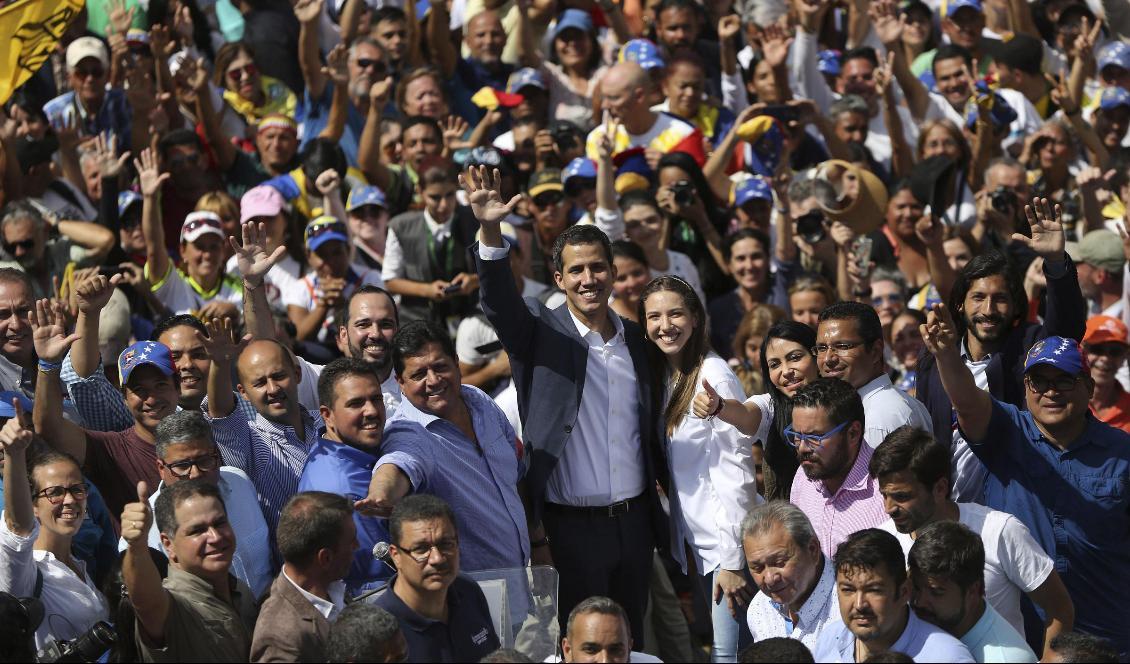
17,561
764,403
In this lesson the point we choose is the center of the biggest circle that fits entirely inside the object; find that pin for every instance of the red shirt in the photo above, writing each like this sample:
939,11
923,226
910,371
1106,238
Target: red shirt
116,461
1118,414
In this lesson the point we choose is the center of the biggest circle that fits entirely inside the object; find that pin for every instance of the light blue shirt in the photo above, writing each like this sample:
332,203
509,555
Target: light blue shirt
920,640
993,639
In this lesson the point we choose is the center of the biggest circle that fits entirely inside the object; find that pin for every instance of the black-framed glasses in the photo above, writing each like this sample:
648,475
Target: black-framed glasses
840,348
56,494
446,547
815,440
26,245
1061,384
377,66
183,468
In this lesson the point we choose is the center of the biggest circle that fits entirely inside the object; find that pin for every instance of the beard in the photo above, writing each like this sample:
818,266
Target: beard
379,366
1001,331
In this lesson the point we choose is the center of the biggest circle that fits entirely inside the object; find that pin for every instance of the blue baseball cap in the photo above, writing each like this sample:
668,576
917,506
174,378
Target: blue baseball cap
524,77
125,199
642,52
828,62
1060,352
153,353
953,6
573,18
324,229
1114,97
1115,53
422,9
1001,113
579,168
6,410
751,189
366,195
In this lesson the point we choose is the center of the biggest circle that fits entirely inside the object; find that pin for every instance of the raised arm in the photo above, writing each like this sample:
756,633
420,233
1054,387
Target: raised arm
608,216
196,76
1066,312
708,403
49,335
337,70
931,231
775,44
110,167
139,574
351,19
309,13
369,149
528,54
91,297
889,26
254,263
15,438
974,406
223,349
157,262
444,50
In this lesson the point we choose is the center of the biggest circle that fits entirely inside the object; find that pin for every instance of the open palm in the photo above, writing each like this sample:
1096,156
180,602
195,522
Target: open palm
49,332
251,257
484,193
1047,230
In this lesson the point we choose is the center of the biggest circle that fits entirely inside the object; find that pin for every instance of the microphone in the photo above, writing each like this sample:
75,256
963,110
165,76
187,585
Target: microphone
380,552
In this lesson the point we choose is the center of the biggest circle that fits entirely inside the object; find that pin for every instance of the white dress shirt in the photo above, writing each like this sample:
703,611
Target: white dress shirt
968,472
713,474
603,460
328,608
252,560
767,619
886,408
71,602
390,390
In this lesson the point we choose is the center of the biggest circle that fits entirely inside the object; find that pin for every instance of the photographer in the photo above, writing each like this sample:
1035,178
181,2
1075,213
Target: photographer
1000,213
45,506
696,219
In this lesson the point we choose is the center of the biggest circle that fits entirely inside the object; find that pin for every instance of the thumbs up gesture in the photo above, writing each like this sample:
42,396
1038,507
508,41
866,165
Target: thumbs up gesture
707,402
137,517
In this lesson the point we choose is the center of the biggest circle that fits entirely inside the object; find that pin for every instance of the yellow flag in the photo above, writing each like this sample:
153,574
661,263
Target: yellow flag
31,29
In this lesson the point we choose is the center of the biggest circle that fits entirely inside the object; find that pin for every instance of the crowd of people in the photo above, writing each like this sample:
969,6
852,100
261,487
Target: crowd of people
769,330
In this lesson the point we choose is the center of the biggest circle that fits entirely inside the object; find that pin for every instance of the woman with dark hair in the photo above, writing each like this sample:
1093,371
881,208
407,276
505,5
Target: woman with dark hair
712,468
697,219
574,68
632,275
250,93
787,364
748,258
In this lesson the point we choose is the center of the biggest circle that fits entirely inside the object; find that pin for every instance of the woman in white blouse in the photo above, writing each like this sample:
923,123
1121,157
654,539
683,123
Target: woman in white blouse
44,507
711,462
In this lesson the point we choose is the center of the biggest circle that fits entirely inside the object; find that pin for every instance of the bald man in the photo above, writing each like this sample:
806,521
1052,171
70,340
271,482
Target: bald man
485,39
272,448
624,94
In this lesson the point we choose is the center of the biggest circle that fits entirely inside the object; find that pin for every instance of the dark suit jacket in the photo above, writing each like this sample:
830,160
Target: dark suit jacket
1065,316
289,628
548,361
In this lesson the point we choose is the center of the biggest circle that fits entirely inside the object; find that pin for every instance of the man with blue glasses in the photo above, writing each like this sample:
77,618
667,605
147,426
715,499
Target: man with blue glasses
832,486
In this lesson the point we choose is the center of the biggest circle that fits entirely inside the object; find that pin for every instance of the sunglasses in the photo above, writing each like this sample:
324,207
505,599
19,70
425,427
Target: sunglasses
56,494
26,245
199,223
377,66
314,230
90,72
549,199
246,71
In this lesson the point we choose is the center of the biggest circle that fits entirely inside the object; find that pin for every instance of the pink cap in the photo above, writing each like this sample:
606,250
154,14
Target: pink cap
262,201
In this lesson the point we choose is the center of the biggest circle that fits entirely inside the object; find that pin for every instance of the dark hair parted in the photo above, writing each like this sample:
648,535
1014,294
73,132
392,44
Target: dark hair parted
949,550
172,495
777,649
910,448
737,236
311,521
411,339
337,371
871,549
866,320
836,396
169,322
989,264
577,235
417,507
629,249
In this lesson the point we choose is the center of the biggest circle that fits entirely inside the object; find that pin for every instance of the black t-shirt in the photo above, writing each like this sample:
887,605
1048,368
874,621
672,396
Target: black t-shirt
468,635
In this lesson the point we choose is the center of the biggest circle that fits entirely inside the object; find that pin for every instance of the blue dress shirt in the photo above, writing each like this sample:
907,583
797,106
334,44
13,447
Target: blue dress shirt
335,467
920,640
1075,502
992,639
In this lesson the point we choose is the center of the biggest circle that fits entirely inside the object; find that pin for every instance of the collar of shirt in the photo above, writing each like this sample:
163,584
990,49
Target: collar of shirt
345,452
910,641
965,357
883,382
858,477
325,607
1091,435
439,231
415,621
409,411
312,426
816,606
585,330
190,585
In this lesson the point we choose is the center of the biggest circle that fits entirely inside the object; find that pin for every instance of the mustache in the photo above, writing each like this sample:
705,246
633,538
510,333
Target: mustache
991,318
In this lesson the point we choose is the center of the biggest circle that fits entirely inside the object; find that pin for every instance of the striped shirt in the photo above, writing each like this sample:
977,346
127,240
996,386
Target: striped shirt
857,504
270,453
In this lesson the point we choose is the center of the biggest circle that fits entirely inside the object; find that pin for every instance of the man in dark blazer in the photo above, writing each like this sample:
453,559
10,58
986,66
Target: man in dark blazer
589,413
990,308
317,538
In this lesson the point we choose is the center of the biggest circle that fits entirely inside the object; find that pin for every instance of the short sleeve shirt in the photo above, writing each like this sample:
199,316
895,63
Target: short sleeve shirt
201,627
467,636
116,461
182,295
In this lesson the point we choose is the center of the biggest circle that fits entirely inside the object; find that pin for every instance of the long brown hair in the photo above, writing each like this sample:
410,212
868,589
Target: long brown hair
683,378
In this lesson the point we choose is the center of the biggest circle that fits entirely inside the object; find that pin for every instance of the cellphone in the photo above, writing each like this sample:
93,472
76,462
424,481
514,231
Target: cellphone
452,289
782,112
486,349
863,254
110,270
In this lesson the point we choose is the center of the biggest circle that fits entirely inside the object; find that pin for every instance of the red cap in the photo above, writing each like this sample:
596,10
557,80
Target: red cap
1105,329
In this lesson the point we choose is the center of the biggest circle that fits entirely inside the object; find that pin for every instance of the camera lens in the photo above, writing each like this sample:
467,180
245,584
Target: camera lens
811,227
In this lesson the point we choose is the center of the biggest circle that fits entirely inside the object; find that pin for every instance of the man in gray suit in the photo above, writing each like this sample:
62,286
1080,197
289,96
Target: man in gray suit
317,539
586,402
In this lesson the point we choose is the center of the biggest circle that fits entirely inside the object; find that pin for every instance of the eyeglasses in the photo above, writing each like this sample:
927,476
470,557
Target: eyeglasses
56,494
377,66
446,547
90,72
840,348
815,440
1061,384
879,300
183,468
549,199
26,245
246,71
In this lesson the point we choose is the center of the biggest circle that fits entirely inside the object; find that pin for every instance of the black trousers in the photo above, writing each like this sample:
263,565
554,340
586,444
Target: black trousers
597,553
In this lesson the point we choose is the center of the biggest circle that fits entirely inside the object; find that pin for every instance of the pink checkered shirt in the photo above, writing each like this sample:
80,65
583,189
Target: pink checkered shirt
856,506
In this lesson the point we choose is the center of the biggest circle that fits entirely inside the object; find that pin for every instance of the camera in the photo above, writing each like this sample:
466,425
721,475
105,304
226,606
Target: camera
684,193
87,648
1002,199
810,226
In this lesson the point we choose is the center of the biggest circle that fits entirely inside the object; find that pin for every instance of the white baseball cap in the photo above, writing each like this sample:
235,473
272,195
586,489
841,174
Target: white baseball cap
87,47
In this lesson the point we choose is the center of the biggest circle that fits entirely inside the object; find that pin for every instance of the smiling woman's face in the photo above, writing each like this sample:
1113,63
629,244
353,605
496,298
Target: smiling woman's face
791,366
